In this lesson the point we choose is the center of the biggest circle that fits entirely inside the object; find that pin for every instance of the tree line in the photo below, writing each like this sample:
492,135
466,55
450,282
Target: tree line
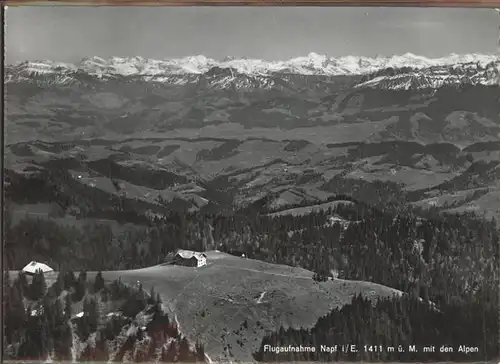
442,258
388,329
449,261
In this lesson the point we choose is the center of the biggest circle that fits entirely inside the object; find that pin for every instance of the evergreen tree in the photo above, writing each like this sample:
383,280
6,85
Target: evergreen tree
56,288
152,296
36,341
184,351
163,355
98,282
171,355
67,307
38,286
80,287
15,313
22,282
62,332
90,319
69,280
200,352
102,349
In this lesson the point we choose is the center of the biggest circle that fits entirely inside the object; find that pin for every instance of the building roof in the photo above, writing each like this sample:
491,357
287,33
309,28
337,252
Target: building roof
188,254
34,267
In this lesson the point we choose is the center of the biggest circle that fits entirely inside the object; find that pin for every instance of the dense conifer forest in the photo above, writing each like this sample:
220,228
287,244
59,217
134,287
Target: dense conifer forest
41,322
402,329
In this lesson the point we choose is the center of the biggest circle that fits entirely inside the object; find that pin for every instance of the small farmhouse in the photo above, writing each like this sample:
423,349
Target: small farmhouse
33,267
190,258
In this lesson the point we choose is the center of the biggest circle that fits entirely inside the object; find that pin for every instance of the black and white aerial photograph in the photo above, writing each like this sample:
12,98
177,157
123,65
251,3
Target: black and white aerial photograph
214,184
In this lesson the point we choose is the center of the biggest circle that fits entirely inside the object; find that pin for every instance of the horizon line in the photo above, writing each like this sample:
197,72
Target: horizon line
228,59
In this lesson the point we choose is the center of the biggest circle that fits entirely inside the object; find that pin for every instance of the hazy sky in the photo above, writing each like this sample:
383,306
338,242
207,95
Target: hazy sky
63,33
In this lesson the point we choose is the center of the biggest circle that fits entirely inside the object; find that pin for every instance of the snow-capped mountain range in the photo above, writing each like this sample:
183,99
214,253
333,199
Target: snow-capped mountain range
435,76
416,71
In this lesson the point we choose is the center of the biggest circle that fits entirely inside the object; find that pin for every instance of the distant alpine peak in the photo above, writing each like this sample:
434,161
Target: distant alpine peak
312,64
460,74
